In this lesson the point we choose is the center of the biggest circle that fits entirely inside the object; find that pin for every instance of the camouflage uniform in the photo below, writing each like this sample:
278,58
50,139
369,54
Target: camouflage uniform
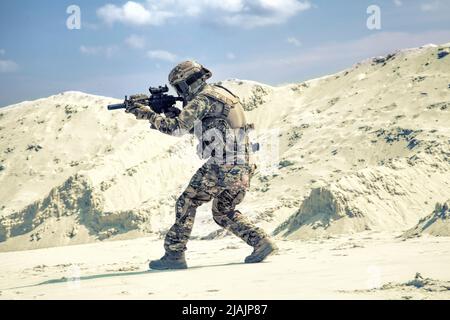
227,186
224,182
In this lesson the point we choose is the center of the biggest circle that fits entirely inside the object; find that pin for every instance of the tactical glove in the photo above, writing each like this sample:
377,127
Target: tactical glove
140,111
137,97
136,104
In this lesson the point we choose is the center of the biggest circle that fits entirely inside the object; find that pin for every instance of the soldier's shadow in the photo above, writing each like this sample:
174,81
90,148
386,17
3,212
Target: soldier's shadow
125,274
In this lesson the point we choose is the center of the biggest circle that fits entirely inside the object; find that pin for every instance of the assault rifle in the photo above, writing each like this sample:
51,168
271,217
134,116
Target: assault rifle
159,101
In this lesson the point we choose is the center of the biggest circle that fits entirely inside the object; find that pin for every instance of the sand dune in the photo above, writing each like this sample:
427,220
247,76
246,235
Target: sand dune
365,149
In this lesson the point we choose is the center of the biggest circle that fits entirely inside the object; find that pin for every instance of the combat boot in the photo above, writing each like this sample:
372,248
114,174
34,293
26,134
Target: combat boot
169,261
261,251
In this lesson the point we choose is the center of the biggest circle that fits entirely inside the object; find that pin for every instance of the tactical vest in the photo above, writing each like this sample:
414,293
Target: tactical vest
225,115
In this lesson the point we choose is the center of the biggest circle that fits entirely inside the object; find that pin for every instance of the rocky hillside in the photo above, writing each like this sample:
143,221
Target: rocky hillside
365,149
436,224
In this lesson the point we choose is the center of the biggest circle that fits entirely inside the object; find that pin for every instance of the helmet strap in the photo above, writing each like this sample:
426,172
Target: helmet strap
197,86
188,91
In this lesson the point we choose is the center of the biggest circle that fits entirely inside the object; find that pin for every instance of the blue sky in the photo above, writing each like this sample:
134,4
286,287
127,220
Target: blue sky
123,47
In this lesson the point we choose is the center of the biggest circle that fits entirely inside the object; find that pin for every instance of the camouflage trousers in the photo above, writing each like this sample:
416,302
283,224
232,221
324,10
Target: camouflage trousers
226,186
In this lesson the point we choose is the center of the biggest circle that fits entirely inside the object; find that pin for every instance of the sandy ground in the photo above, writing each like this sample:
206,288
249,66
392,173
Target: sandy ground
364,266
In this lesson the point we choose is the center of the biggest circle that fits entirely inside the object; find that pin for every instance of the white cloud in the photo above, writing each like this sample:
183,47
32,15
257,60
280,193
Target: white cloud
398,3
294,41
162,55
242,13
430,6
231,56
89,50
8,66
325,59
108,51
265,12
373,45
133,13
134,41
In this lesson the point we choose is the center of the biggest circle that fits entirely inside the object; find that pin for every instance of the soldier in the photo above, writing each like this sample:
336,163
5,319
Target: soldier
216,117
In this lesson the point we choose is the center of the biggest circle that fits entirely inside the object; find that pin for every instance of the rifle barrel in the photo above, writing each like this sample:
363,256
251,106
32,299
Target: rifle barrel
116,106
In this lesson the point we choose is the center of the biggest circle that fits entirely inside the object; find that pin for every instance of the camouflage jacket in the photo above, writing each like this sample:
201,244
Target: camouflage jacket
204,112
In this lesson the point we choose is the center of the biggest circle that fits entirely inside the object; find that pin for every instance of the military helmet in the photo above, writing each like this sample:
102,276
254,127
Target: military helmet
187,73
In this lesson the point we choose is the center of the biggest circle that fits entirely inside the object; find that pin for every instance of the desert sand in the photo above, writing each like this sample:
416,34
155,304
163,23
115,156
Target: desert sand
367,266
362,154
